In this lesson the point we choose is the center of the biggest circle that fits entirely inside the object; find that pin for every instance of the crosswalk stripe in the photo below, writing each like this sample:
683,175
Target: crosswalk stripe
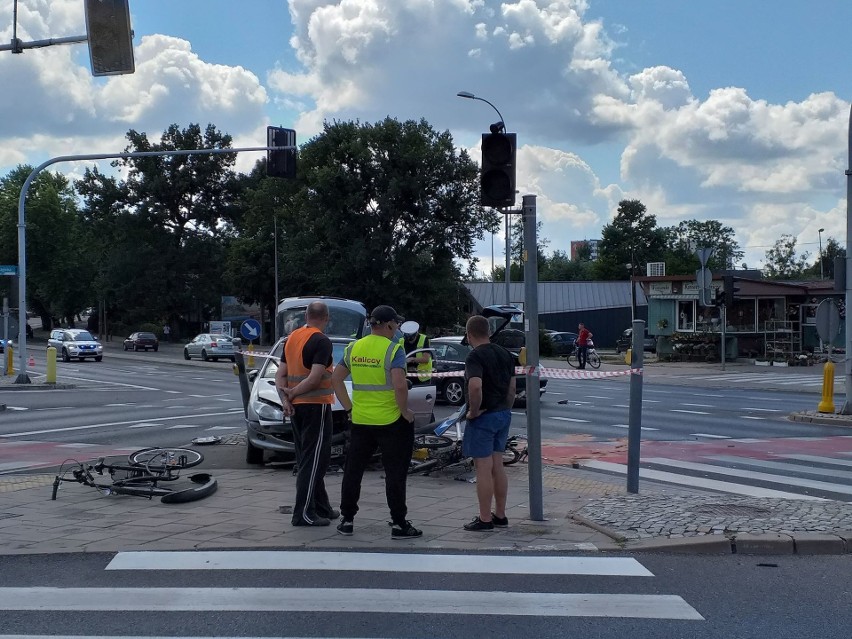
749,474
820,460
787,468
376,600
379,562
699,482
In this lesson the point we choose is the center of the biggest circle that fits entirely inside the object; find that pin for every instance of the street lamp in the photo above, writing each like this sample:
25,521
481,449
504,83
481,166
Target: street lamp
821,273
500,125
632,291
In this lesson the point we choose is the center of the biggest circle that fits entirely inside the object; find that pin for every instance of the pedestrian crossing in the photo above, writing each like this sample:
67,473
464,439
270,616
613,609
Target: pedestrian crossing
811,379
341,583
781,475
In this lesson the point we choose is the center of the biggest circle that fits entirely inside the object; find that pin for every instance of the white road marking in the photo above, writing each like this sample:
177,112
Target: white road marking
709,436
752,417
831,473
226,427
375,600
628,426
820,460
145,425
698,405
103,425
699,482
570,419
179,426
691,412
765,410
377,561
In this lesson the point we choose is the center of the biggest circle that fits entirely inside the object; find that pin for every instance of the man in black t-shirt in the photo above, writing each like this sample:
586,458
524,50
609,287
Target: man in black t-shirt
490,378
303,380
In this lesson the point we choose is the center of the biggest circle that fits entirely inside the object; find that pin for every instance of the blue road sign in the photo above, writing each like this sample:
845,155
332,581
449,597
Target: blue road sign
8,269
250,329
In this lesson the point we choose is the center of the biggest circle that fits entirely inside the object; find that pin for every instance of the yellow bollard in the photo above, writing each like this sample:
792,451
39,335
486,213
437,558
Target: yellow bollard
50,378
827,405
628,356
250,362
522,356
10,361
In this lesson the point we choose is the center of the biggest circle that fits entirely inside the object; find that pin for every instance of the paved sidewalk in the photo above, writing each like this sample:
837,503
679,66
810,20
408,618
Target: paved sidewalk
582,513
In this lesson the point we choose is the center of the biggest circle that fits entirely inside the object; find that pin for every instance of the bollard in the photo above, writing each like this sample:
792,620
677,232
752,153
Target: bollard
628,356
826,405
250,362
50,378
10,361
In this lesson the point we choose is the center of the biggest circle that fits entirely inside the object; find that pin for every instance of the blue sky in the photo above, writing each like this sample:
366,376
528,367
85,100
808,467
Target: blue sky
735,110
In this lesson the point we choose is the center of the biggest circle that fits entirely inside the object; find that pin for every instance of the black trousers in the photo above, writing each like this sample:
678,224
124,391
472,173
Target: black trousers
312,439
582,355
396,443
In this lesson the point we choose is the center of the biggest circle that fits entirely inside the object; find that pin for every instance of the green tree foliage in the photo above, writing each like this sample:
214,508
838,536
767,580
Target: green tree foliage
58,271
632,237
682,241
163,232
830,250
381,213
782,263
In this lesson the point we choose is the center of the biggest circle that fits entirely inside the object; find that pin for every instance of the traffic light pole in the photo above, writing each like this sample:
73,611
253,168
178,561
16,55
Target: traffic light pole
22,377
847,405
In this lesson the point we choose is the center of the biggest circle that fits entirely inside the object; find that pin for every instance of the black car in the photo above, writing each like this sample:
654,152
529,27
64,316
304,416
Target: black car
142,342
626,341
563,342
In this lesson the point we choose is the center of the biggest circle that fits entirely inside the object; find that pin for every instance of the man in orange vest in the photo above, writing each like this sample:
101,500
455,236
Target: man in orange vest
303,380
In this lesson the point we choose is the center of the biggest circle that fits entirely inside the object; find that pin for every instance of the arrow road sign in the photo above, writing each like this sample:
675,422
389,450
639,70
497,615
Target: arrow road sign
250,329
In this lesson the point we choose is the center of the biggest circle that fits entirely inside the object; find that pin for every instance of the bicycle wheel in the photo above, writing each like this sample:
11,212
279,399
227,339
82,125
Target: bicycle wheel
163,458
573,360
511,456
432,441
594,360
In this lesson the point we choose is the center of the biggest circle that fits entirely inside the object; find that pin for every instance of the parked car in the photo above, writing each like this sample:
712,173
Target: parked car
209,346
75,343
142,342
268,431
563,342
626,341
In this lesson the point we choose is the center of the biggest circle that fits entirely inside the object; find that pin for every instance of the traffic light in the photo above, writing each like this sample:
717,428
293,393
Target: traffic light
730,291
281,163
497,180
110,37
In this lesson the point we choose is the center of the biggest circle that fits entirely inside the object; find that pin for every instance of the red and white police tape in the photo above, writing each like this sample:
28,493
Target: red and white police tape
550,373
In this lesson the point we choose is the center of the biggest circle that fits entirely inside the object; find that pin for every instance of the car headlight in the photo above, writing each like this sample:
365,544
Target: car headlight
267,412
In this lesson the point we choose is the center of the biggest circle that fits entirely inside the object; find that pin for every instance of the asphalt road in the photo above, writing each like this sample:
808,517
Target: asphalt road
643,597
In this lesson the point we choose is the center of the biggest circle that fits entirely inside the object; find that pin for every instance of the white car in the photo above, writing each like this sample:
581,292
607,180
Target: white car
209,346
266,428
71,343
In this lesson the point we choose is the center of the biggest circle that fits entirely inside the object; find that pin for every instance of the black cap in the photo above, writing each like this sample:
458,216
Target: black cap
383,314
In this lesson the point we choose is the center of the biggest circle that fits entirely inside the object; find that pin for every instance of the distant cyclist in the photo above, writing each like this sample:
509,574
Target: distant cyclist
583,338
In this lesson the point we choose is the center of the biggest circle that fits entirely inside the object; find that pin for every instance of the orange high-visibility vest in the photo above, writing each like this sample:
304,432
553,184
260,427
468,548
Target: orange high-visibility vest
296,371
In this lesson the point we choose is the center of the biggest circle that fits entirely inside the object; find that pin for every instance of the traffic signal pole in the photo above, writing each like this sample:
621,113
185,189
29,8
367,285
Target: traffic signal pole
22,377
847,405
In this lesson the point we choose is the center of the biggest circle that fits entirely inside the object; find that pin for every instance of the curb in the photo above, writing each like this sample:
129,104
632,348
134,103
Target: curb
826,419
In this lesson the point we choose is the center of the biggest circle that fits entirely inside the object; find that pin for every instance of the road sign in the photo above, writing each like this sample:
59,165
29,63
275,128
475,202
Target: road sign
250,329
8,269
827,320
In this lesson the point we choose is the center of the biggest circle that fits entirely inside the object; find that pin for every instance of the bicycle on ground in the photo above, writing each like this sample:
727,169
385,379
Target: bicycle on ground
143,475
592,357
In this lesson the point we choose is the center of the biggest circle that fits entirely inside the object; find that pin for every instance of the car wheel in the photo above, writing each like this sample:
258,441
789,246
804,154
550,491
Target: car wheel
125,347
204,357
215,359
135,348
65,356
185,354
98,358
156,348
254,455
454,392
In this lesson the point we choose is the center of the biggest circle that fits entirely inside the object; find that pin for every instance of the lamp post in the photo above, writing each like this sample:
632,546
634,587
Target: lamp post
821,271
470,96
632,266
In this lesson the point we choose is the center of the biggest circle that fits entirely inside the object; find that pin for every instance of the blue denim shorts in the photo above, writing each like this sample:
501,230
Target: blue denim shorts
487,434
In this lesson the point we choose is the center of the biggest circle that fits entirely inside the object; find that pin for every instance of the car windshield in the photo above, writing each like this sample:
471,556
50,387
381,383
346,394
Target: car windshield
147,336
85,336
342,322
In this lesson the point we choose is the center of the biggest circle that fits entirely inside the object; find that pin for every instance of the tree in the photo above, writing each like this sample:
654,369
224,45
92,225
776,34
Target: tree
58,268
381,213
631,238
782,263
682,241
831,250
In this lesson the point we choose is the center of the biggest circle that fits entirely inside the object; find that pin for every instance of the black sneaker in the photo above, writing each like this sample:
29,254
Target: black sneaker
478,525
316,521
331,513
499,522
405,531
346,527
